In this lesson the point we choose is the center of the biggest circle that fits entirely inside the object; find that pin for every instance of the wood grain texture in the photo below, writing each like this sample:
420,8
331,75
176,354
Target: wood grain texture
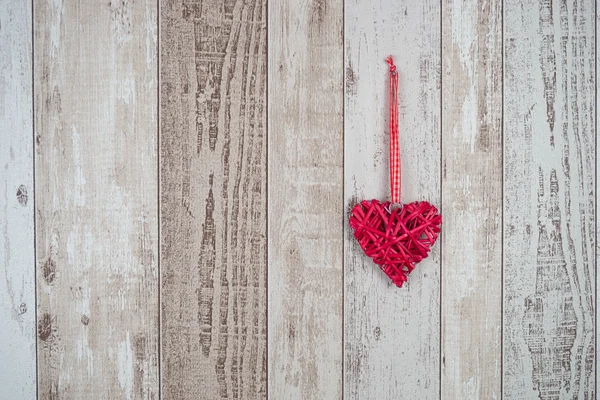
17,265
549,195
213,199
472,199
597,215
305,199
391,335
95,72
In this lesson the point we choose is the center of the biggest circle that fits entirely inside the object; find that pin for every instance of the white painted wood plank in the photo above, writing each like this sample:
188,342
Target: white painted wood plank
549,199
17,265
391,335
305,203
471,199
95,72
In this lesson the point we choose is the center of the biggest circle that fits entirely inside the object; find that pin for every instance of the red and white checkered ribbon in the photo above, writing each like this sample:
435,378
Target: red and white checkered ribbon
395,166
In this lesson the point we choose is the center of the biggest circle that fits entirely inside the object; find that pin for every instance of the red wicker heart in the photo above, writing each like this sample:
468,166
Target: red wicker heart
396,240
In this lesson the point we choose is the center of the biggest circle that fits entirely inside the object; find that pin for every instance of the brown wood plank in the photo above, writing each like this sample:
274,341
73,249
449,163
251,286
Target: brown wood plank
213,199
17,265
549,199
96,209
391,335
305,199
471,199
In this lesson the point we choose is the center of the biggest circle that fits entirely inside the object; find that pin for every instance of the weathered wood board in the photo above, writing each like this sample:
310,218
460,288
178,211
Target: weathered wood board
391,335
471,199
95,107
213,194
595,237
305,212
17,266
549,200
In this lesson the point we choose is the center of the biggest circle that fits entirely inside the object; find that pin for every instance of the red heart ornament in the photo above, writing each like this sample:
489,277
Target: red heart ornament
396,240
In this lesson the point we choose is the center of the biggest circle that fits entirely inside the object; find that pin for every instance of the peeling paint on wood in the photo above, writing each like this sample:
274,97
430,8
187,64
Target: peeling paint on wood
392,335
549,194
213,199
17,282
96,206
305,199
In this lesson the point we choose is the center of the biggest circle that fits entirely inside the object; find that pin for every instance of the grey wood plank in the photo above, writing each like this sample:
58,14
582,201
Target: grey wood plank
391,335
549,200
213,199
305,212
95,102
596,358
471,199
17,265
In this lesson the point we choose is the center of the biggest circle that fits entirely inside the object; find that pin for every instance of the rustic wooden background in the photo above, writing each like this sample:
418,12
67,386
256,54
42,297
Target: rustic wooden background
176,177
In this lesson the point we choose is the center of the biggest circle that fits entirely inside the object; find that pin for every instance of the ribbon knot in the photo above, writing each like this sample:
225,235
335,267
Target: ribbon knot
390,61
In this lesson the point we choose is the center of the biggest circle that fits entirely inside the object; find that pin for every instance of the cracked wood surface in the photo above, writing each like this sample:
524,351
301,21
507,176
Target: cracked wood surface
17,285
95,79
213,199
391,335
549,200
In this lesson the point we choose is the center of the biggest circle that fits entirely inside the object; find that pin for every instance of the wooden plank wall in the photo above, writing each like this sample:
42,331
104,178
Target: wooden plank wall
177,176
17,275
392,336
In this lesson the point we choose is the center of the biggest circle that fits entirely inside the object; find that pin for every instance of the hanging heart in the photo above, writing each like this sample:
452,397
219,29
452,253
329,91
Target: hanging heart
395,240
395,236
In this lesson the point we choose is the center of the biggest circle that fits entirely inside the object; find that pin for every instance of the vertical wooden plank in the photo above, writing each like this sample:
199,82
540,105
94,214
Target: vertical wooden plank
213,198
392,335
17,273
95,105
549,169
305,199
472,199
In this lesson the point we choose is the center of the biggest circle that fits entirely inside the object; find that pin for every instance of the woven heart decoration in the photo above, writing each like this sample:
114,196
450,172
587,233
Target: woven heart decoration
395,236
395,240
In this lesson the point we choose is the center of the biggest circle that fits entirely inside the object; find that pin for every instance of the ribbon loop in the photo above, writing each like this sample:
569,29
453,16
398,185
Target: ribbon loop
395,166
